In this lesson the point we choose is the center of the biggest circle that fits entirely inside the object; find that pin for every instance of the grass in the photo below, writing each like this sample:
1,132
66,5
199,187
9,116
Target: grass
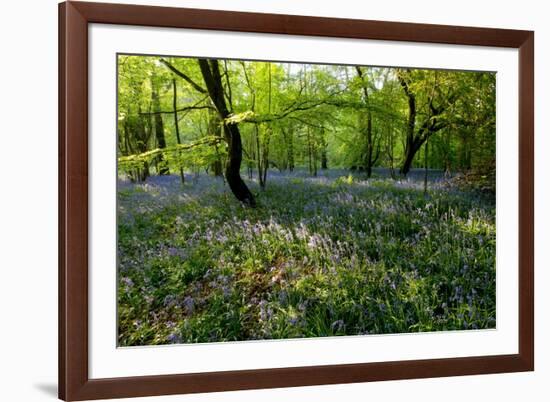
326,256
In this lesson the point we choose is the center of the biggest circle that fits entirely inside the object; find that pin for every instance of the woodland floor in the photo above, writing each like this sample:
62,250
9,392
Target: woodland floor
324,256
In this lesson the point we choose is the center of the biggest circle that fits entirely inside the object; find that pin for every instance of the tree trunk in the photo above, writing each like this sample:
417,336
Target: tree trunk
324,162
217,167
251,159
430,126
290,150
258,155
143,133
144,172
214,129
315,162
263,141
159,128
265,158
409,147
309,151
212,79
447,156
390,151
233,166
176,124
368,162
324,146
426,167
410,152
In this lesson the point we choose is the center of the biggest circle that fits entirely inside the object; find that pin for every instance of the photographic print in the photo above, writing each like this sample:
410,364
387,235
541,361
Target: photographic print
274,200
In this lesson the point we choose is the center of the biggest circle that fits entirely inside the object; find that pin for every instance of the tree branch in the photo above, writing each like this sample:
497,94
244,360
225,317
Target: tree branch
184,76
308,123
148,155
183,109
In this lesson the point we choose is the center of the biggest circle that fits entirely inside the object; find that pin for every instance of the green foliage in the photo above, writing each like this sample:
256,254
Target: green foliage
344,180
295,115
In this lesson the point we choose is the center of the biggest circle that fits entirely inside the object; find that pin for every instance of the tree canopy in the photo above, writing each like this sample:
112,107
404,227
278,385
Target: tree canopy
228,116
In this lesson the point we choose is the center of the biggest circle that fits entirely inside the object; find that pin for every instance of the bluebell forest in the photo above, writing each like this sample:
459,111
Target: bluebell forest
273,200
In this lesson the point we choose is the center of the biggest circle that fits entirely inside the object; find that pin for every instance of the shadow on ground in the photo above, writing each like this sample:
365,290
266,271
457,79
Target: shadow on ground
47,388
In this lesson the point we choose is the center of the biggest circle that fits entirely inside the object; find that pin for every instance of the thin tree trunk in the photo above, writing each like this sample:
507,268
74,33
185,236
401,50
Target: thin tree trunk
291,152
315,163
214,128
258,155
267,140
324,163
309,151
289,142
391,152
251,160
144,134
255,143
426,167
324,146
368,132
162,167
409,145
265,158
447,147
176,124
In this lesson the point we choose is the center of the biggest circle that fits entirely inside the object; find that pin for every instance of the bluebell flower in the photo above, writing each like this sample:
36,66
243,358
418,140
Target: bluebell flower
189,304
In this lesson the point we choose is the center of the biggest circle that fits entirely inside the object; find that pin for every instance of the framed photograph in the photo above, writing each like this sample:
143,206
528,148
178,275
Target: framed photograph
261,200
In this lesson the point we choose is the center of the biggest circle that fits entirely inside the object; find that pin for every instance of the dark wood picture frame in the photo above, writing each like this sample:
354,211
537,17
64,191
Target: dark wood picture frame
74,382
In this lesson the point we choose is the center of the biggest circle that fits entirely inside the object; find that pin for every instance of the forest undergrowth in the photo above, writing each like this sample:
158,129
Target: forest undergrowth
319,256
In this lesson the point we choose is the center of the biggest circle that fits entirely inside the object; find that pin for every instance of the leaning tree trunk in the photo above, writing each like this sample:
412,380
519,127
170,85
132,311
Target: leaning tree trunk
233,166
424,133
410,151
212,78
